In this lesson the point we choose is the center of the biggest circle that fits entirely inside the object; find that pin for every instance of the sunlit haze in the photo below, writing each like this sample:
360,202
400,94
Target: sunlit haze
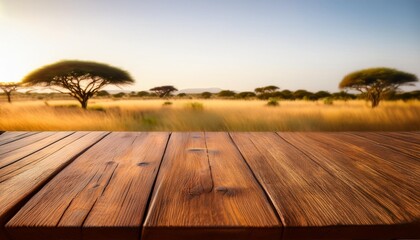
230,44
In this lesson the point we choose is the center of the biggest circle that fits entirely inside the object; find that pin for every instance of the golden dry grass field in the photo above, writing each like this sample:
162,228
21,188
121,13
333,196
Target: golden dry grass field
209,115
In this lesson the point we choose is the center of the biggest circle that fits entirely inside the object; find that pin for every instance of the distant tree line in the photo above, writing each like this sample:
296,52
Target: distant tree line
280,95
83,80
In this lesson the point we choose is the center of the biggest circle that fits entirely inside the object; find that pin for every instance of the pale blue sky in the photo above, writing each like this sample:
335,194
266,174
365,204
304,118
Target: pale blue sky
231,44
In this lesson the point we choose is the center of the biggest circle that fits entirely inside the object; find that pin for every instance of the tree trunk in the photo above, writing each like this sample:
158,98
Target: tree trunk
8,94
375,101
84,103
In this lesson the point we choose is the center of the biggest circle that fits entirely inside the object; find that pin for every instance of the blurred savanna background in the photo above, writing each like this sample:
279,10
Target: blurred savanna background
186,65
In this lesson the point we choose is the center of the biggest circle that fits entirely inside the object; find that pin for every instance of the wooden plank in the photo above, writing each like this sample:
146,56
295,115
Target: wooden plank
120,211
20,183
205,190
24,164
382,179
17,145
313,203
401,170
12,152
413,137
396,144
105,190
8,137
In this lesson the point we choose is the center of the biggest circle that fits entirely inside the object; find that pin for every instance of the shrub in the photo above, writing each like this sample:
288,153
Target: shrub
206,95
167,103
272,102
328,101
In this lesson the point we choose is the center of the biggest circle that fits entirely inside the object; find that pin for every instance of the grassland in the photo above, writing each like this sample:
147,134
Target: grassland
209,115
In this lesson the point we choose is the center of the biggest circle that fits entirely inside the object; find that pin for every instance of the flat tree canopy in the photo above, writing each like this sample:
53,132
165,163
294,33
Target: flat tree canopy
81,79
163,91
376,82
226,93
266,89
8,88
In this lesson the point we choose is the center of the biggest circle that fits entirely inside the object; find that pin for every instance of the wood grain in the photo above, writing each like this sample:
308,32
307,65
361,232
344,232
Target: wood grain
398,145
372,170
14,151
413,137
120,211
111,181
95,186
205,190
24,142
22,178
8,137
312,203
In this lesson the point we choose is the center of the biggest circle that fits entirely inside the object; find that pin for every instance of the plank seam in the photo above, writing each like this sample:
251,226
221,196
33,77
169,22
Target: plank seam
109,181
42,158
24,200
355,187
23,135
36,150
96,200
65,210
208,160
370,154
83,188
76,196
309,157
383,145
87,215
279,217
152,189
279,212
43,138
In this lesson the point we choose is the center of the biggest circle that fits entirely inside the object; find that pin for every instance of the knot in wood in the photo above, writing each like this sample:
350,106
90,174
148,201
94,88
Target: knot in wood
142,164
195,149
110,163
222,189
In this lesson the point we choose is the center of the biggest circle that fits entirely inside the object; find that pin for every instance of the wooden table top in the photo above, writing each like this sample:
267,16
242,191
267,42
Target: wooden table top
209,185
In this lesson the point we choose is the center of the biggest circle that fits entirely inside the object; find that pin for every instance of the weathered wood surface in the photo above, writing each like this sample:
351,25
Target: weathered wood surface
122,185
206,191
108,186
23,175
13,136
389,178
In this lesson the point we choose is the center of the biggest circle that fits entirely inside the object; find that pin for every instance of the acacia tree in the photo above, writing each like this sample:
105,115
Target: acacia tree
374,83
163,91
266,92
266,89
80,79
8,88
